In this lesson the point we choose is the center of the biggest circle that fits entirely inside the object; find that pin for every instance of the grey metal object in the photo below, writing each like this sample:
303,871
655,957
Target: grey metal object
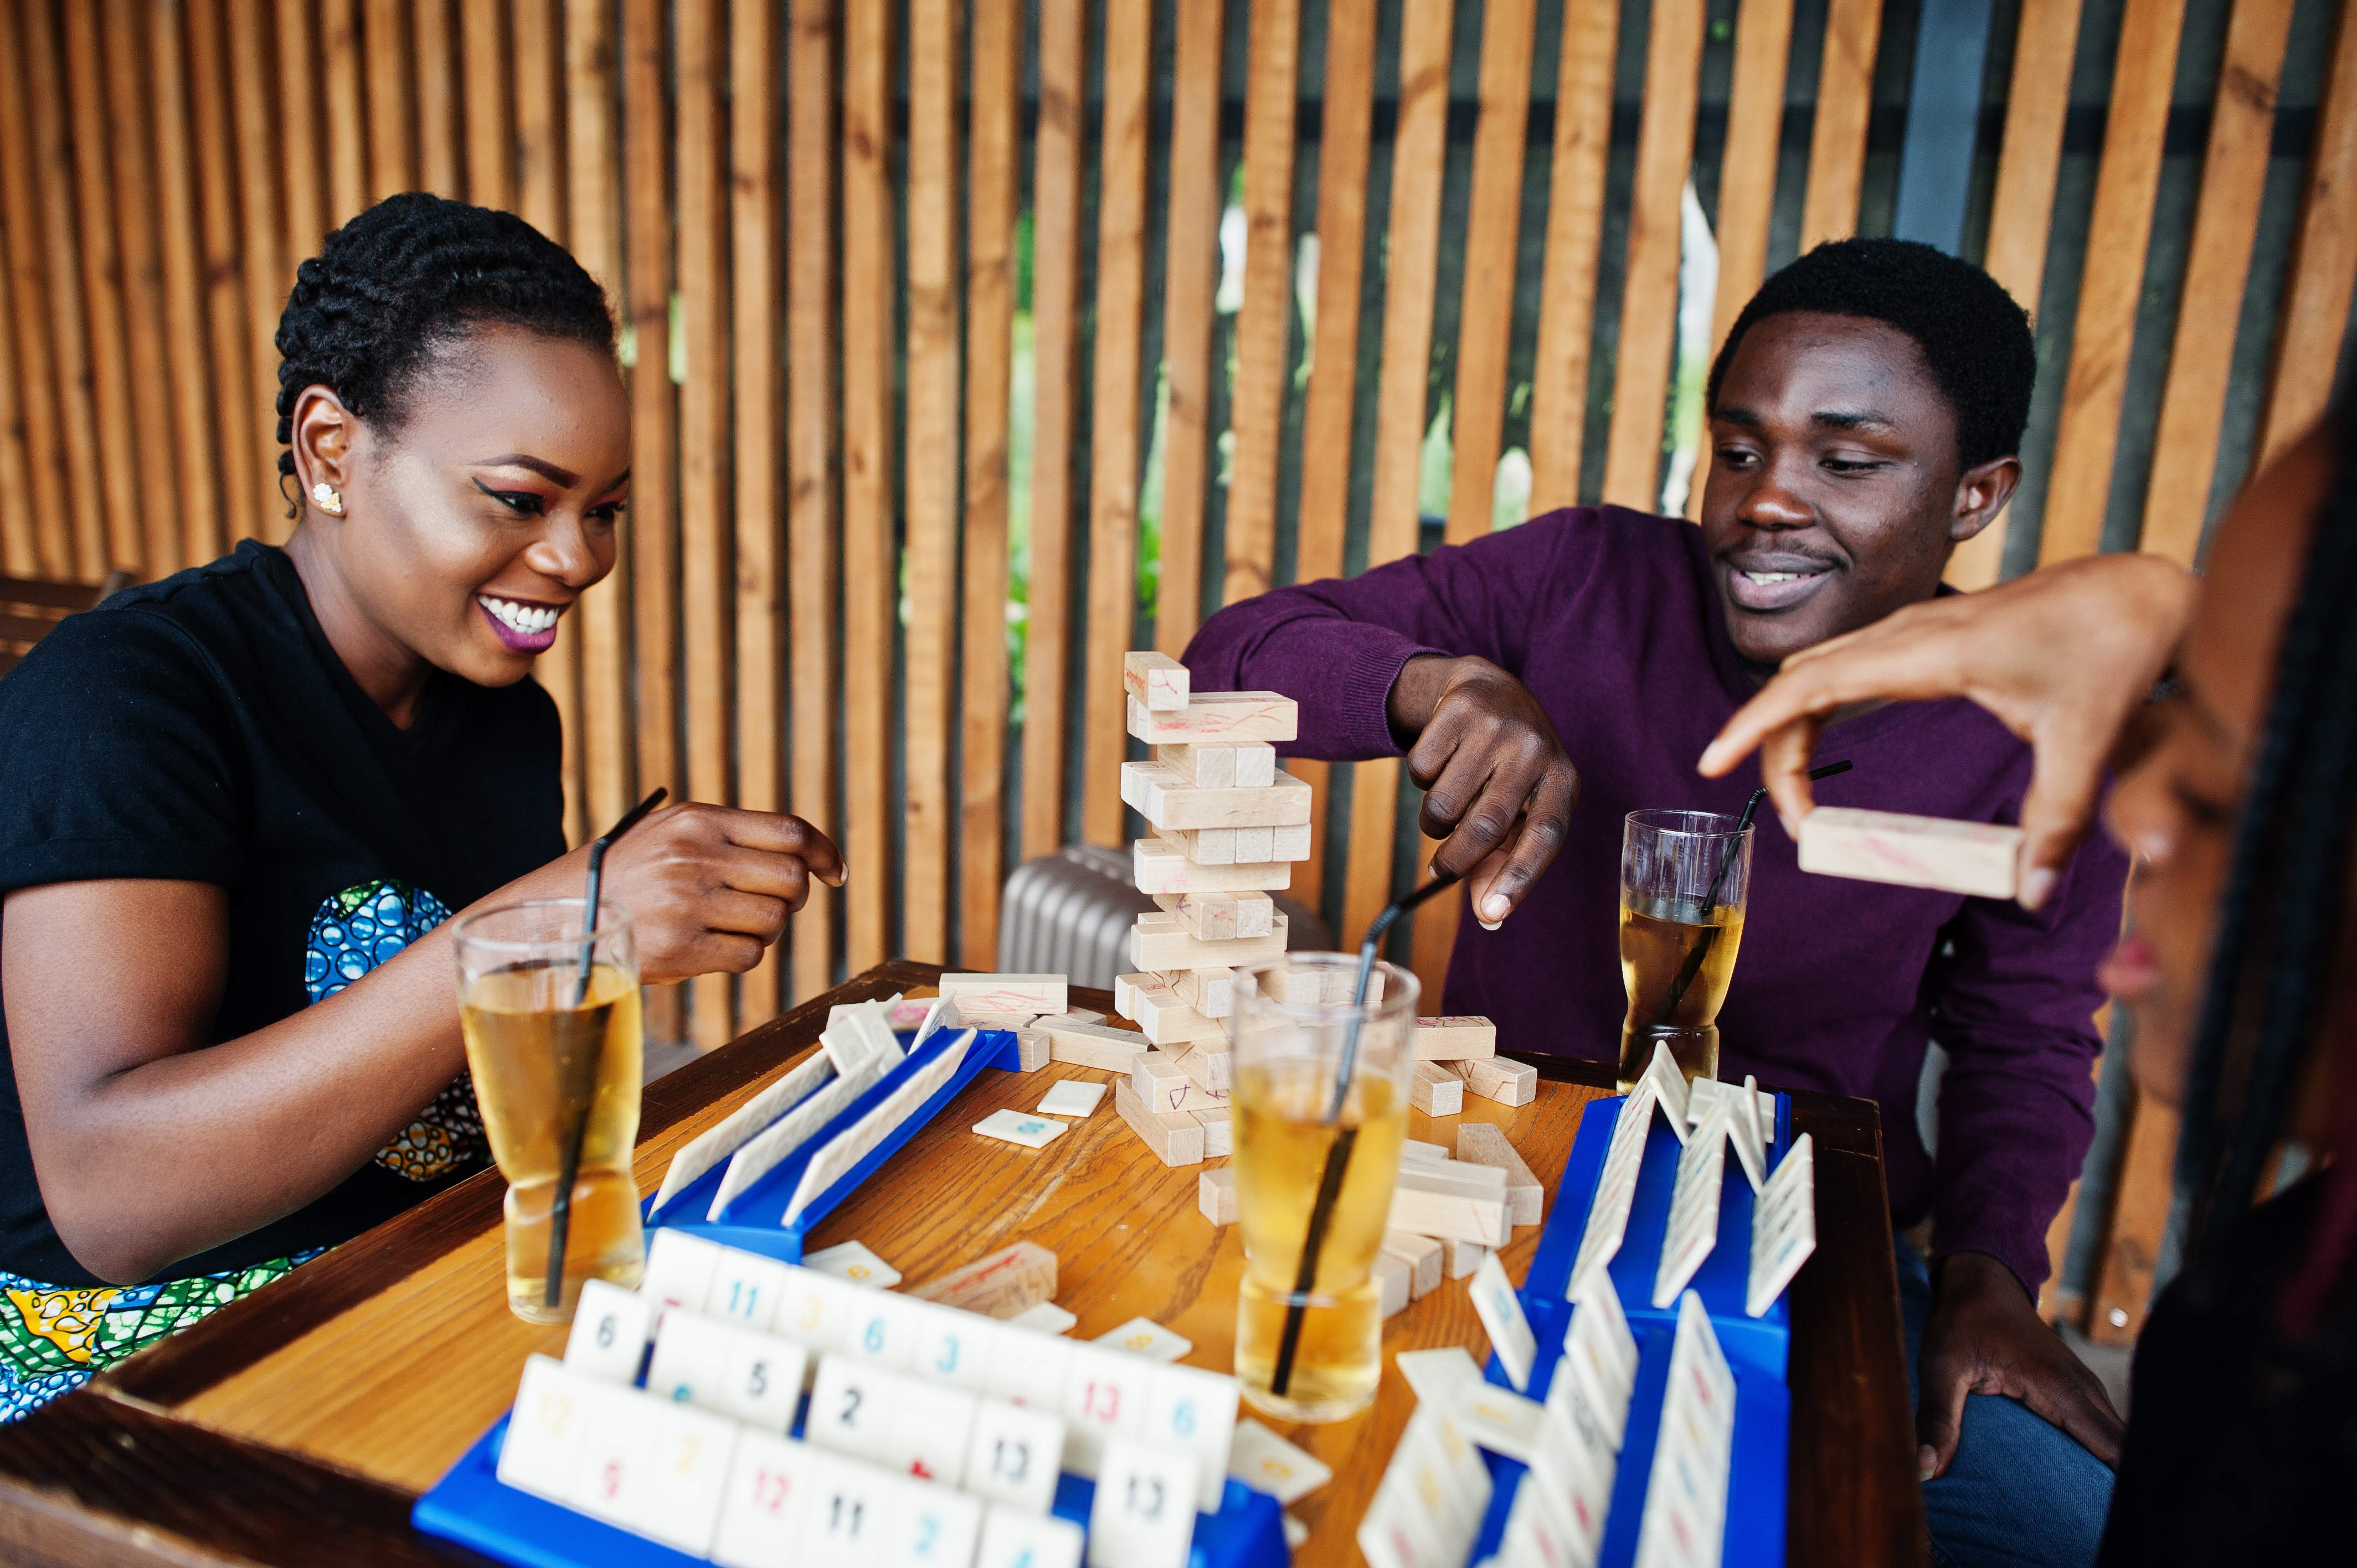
1068,913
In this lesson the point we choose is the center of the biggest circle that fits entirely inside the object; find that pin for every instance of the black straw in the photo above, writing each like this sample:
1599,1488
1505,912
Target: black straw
1337,1153
560,1216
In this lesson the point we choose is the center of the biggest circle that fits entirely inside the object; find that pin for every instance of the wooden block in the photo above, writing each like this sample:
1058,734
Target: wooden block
1222,917
1975,858
1438,1206
1031,1051
1215,1194
1395,1281
1093,1045
1482,1144
1288,843
1159,943
1163,1086
1454,1039
1210,991
1412,1149
1011,1280
1158,864
1507,1082
1241,846
969,1020
1033,993
1217,718
1212,1065
1221,767
1163,796
1069,1015
1149,1003
1175,1140
1487,1180
1464,1257
1219,1131
1421,1254
1435,1091
1156,680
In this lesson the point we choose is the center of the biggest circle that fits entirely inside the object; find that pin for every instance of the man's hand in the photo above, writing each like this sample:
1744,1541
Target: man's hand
1498,789
1984,1337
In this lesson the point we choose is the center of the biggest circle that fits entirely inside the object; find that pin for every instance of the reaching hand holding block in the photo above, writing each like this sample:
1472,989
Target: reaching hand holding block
1975,858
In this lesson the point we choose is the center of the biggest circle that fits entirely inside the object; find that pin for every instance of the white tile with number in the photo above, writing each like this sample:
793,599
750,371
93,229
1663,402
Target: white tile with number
608,1338
1014,1455
1143,1515
1013,1539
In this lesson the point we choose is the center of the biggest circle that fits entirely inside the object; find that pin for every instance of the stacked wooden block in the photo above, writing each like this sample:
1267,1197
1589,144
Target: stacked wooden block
1228,825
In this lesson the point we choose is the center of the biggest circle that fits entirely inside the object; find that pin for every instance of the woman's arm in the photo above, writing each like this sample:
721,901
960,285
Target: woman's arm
150,1148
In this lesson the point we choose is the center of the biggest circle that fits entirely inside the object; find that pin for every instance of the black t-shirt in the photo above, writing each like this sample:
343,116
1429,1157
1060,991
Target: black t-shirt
2240,1444
203,729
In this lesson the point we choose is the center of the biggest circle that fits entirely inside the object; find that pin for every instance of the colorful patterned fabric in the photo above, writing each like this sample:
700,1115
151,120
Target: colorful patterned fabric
52,1339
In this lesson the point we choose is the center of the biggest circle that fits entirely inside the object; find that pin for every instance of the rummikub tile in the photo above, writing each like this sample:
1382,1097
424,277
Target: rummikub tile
762,1511
746,1288
883,1328
608,1338
814,1309
691,1356
930,1527
851,1408
1501,1312
1144,1336
853,1261
687,1461
1070,1097
761,1380
1046,1317
544,1430
1188,1408
1694,1210
1268,1463
1021,1128
926,1437
1743,1128
1012,1538
679,1270
1143,1515
1104,1399
1014,1455
1434,1374
1498,1419
716,1143
1783,1227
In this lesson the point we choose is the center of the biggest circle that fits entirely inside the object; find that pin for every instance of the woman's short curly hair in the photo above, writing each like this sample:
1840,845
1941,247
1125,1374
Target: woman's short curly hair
405,280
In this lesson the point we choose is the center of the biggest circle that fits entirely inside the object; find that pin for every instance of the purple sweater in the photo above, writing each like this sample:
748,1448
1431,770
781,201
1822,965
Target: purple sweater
1612,619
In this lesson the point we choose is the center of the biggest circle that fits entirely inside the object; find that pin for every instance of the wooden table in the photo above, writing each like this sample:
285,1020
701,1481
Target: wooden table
301,1422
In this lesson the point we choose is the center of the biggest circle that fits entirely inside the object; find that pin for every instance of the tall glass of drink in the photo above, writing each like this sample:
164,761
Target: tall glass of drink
1309,1342
1683,879
550,1006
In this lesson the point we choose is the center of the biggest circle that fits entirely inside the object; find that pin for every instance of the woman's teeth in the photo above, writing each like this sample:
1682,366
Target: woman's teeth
525,620
1772,576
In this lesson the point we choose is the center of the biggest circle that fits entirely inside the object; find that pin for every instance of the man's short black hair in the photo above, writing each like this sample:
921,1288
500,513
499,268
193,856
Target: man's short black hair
1974,338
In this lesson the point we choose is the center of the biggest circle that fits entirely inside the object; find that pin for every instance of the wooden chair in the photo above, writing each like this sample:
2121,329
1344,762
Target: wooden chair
30,607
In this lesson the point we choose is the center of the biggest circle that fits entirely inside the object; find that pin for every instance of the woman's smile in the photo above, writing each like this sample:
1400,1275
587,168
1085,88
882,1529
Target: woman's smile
521,624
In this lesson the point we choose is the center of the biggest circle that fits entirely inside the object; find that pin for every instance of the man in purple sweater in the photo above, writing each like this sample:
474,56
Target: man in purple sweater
1866,415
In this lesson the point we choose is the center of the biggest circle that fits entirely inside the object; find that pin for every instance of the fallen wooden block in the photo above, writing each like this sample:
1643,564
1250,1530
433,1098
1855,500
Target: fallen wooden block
1033,993
1245,766
1212,1065
1480,1144
1163,1085
1031,1051
1435,1091
1495,1078
1094,1046
1219,1131
1155,1009
1434,1205
1395,1283
1412,1149
1215,1194
1243,846
1453,1040
977,1020
1213,718
1159,943
1164,796
1158,864
1222,917
1421,1254
1069,1015
1011,1280
1975,858
1465,1258
1175,1140
1156,680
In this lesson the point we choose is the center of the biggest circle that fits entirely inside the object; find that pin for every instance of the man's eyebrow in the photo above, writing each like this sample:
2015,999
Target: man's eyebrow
1736,414
541,466
1851,419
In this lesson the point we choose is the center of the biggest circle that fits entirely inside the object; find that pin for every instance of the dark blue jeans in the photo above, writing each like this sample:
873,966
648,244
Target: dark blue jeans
2020,1493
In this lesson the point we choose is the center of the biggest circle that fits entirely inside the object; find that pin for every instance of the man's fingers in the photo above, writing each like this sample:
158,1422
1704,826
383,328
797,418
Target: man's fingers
731,913
1483,827
1938,1416
2056,812
777,833
1784,758
1531,848
1462,773
784,877
2072,1397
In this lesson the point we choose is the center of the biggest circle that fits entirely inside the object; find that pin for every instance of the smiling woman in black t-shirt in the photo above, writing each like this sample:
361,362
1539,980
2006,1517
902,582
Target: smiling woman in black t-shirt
236,805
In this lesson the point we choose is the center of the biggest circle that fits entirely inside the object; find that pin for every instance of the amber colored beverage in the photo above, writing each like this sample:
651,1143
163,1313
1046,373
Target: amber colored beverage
545,1068
1656,950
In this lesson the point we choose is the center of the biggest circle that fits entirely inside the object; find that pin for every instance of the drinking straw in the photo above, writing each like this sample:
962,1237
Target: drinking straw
1337,1153
560,1216
1693,965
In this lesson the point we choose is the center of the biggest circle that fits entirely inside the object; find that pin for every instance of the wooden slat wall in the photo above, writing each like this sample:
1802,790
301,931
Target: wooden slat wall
1845,100
1583,146
2324,260
1264,328
1190,274
33,369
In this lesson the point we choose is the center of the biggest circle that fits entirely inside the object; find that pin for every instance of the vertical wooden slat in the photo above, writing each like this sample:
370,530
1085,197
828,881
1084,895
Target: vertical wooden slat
302,151
706,603
437,96
392,102
654,407
754,283
1327,410
1649,299
593,208
196,461
2112,282
228,342
19,552
43,410
870,581
53,180
1411,269
2022,211
144,311
1583,141
2124,1274
1837,141
266,275
929,462
809,456
1055,305
1190,276
344,84
491,134
2218,262
1265,325
2323,261
994,177
1113,402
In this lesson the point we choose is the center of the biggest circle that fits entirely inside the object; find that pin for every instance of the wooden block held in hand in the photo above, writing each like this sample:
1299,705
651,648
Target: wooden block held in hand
1159,864
1495,1078
1156,680
1093,1045
1011,1280
1033,993
1175,1140
1975,858
1482,1144
1421,1254
1215,1194
1246,766
1159,943
1435,1091
1164,797
1215,718
1453,1040
1220,916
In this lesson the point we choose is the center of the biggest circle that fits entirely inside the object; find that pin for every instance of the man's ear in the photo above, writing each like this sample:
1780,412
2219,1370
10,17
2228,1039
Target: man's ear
1981,494
321,437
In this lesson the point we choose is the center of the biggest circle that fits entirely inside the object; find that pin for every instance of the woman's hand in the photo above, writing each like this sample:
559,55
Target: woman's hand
2062,657
1497,788
707,887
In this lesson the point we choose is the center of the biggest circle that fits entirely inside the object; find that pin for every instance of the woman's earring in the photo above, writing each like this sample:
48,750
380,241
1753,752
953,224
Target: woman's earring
329,500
